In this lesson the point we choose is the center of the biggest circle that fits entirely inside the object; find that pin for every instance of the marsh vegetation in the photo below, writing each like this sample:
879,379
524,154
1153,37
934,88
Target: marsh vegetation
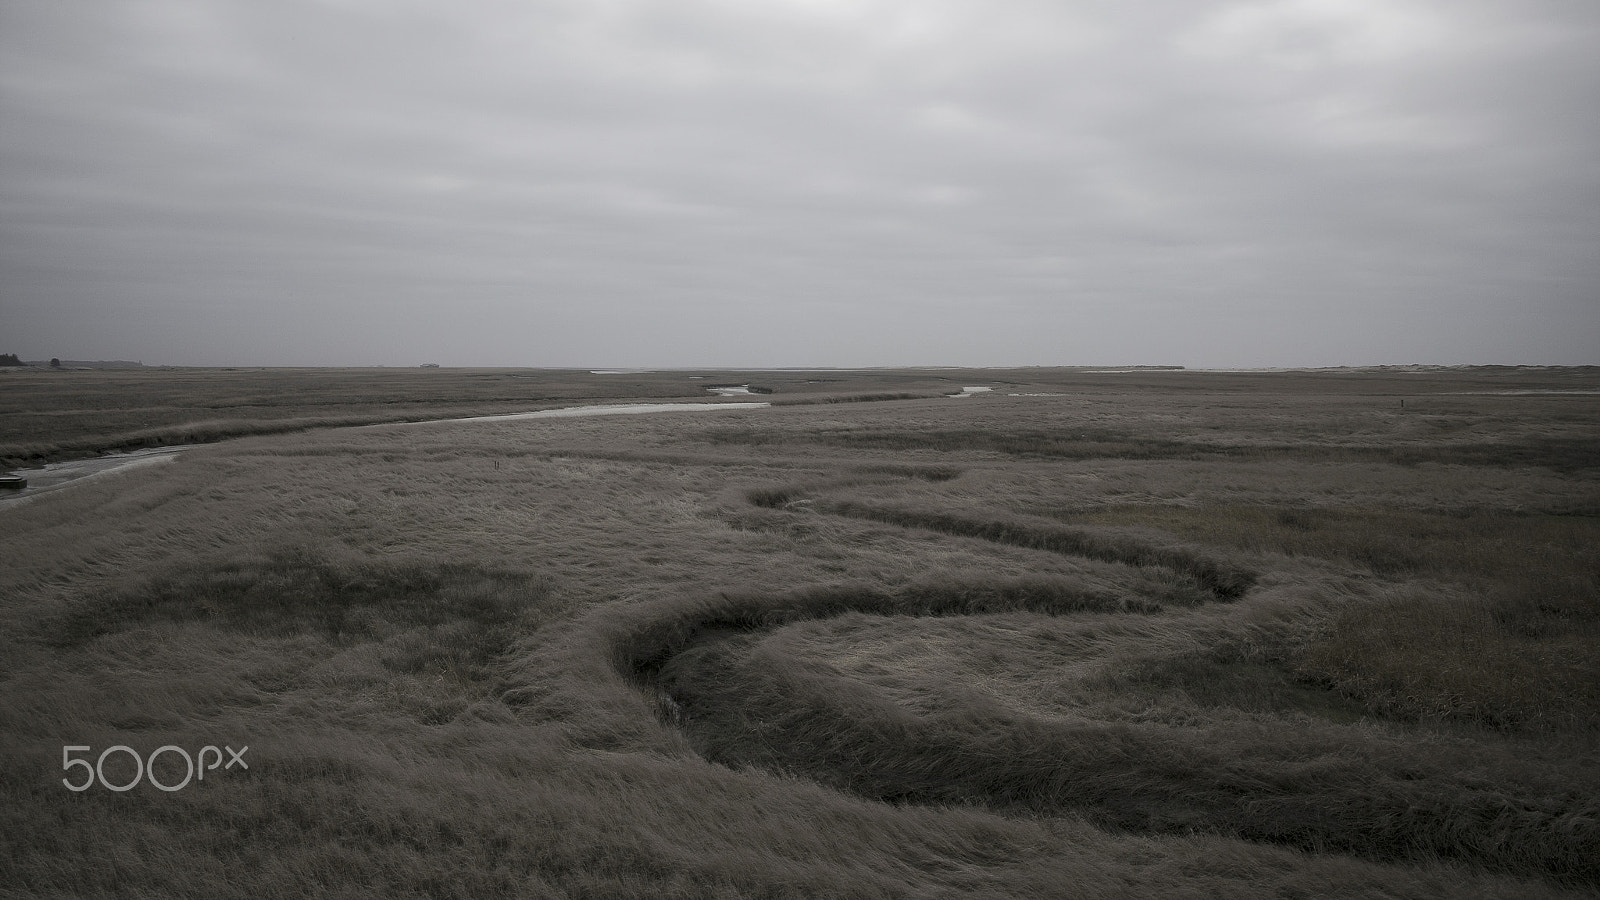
1103,634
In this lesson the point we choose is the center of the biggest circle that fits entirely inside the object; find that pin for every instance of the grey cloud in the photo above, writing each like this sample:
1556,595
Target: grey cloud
655,183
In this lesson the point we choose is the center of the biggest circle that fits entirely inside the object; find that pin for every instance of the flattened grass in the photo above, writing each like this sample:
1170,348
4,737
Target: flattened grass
754,700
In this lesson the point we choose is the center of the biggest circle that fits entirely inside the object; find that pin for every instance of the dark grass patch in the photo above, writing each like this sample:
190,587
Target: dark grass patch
1220,579
925,473
1563,454
450,620
1224,679
1474,544
1513,645
1522,657
1560,453
773,498
1508,662
856,398
1077,443
1225,580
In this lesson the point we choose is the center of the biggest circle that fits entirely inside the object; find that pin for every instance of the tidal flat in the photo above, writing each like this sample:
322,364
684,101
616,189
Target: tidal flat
1104,633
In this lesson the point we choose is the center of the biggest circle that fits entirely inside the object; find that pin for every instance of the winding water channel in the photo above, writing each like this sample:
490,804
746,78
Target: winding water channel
52,477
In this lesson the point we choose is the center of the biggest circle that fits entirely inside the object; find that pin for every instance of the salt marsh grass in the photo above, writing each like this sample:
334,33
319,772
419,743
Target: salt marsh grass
1159,634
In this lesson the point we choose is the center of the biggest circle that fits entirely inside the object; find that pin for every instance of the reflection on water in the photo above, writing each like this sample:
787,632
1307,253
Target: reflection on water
617,409
47,478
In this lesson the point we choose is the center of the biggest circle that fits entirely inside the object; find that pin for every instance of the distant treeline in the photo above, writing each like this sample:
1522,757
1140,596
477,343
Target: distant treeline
11,359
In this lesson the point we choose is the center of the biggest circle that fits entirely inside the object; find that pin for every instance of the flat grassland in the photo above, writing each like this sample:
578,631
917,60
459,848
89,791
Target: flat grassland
1105,634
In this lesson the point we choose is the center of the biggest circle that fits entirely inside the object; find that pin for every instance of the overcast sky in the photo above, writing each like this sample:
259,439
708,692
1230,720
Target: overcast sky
800,182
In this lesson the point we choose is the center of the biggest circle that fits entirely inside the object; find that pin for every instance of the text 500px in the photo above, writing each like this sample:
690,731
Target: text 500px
195,767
